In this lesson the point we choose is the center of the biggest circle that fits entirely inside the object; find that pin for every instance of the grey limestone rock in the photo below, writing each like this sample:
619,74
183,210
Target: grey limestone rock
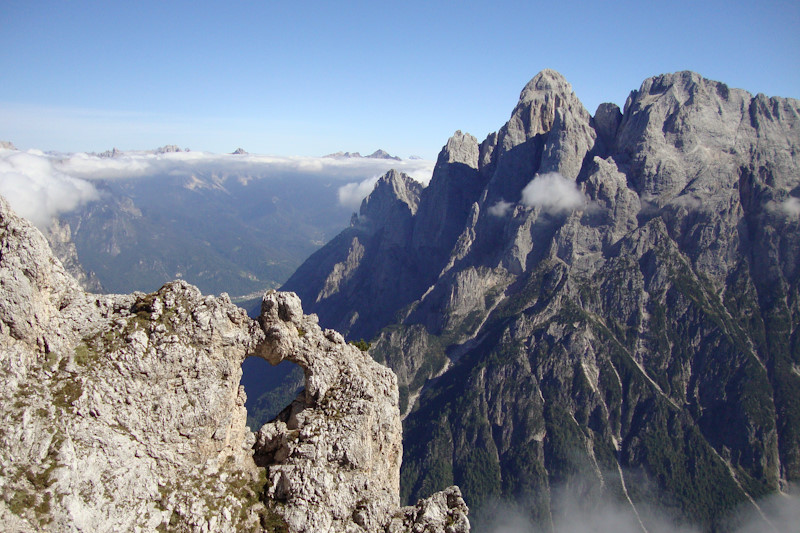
125,412
606,122
641,343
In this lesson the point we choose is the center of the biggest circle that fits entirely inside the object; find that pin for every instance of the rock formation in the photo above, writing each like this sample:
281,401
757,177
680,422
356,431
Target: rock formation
124,412
606,304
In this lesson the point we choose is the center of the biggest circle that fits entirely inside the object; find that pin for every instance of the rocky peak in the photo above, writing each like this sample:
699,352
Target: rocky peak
545,82
344,155
377,154
383,154
169,149
455,185
549,131
536,110
114,152
395,195
460,148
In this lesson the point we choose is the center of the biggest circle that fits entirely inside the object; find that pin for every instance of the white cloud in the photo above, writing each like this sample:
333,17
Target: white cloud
791,207
552,192
501,208
40,185
38,191
352,194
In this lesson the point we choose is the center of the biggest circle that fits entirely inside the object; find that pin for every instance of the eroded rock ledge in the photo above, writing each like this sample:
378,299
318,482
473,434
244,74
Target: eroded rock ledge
124,412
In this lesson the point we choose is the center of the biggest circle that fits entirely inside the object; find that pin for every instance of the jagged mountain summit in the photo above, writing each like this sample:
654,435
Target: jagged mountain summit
125,412
606,305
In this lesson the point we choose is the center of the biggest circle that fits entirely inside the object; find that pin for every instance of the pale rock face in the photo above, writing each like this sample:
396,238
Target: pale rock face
448,200
336,451
395,198
124,412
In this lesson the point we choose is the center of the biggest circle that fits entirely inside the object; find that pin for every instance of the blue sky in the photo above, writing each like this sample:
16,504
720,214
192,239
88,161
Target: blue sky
310,78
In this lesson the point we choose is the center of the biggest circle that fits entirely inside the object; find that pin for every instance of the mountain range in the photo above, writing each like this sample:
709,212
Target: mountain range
377,154
600,305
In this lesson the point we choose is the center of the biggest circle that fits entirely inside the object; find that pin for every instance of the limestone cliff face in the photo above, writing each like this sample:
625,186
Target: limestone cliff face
621,300
124,412
344,293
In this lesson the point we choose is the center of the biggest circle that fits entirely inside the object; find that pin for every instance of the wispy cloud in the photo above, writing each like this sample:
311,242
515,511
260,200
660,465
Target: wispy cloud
552,192
501,208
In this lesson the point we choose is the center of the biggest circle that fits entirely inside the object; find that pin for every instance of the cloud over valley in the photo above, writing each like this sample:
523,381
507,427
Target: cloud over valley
42,185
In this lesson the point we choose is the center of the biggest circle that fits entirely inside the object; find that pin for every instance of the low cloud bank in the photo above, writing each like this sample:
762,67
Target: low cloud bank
142,164
42,185
781,511
37,190
573,512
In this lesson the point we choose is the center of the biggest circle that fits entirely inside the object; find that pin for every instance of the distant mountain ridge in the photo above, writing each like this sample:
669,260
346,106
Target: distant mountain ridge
166,149
604,304
377,154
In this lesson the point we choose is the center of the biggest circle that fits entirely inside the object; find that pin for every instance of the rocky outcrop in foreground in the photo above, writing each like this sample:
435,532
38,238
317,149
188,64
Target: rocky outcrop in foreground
124,412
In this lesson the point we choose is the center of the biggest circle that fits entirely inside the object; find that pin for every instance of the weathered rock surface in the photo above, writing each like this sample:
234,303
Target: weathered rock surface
375,240
124,412
648,331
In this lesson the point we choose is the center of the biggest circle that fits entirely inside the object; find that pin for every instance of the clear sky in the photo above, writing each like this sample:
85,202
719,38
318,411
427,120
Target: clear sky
310,78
